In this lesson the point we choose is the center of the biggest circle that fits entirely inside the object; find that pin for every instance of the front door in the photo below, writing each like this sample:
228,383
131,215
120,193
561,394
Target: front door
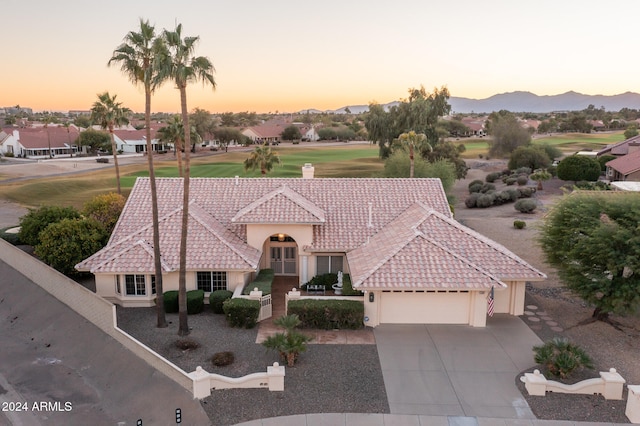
283,260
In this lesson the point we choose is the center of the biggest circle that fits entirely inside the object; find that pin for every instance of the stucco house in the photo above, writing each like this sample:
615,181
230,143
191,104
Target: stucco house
135,141
397,238
625,168
39,142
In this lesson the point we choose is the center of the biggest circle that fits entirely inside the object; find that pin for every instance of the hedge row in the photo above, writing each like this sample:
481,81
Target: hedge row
496,198
328,314
263,282
241,312
195,301
217,298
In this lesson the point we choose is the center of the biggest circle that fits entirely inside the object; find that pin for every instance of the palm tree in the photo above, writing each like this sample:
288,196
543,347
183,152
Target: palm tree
47,120
109,113
413,140
137,57
173,133
263,157
178,63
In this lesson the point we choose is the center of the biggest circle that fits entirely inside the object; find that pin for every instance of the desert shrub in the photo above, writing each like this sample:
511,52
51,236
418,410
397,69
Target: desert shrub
472,200
514,194
526,192
560,358
502,197
519,224
328,314
186,344
475,182
485,200
522,180
170,301
476,187
220,359
523,171
593,186
526,206
263,282
195,301
492,177
510,181
241,312
217,298
37,220
487,187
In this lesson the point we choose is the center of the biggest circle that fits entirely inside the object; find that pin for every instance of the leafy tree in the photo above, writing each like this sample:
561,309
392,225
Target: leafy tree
604,159
66,243
445,150
83,121
226,135
507,134
10,120
137,57
398,166
579,167
94,139
552,151
202,122
379,128
631,131
291,133
262,157
178,63
561,358
594,242
533,157
327,133
109,114
37,220
540,176
105,209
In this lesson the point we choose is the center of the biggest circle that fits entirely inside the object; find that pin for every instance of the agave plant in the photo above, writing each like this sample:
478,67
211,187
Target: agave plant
561,358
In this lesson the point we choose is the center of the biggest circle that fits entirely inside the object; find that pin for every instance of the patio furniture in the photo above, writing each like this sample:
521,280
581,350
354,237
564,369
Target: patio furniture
315,288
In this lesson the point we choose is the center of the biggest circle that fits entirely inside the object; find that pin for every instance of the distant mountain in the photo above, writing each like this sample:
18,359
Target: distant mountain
522,102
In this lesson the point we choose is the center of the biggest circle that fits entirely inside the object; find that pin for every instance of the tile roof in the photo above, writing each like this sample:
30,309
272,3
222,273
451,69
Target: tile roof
282,205
425,249
620,148
626,164
40,137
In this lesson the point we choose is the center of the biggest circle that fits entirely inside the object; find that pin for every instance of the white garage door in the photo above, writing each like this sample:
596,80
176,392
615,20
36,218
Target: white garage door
425,307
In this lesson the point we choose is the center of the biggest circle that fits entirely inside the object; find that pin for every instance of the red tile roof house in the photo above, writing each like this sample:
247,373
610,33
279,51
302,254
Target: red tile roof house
271,133
625,168
621,148
396,237
37,142
135,141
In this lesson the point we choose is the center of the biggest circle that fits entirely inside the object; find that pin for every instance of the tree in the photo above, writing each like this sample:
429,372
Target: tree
262,157
540,176
37,220
226,135
105,209
202,123
507,134
378,125
178,63
291,133
579,167
413,141
398,165
445,150
533,157
173,133
94,139
108,113
593,241
631,131
66,243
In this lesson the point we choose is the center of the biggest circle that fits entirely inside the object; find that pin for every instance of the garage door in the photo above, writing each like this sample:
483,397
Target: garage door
425,307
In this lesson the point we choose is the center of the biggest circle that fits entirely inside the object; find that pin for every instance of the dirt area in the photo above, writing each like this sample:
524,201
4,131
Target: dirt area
607,346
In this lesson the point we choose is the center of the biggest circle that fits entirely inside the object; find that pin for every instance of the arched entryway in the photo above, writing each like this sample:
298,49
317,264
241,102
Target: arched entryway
283,254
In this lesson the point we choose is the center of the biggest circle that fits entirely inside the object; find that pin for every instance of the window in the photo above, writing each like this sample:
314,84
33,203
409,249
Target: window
135,285
153,284
327,264
211,281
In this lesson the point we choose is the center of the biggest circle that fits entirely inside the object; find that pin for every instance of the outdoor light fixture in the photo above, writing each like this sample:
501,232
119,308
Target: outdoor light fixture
371,297
281,237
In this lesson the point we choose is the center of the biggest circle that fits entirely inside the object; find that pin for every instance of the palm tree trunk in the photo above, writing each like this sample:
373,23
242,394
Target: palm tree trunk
178,144
183,328
411,160
115,158
161,318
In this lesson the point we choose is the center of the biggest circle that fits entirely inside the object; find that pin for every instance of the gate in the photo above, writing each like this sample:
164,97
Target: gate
265,308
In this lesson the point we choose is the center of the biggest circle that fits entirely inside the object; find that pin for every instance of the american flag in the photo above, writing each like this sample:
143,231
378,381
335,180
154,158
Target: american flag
490,303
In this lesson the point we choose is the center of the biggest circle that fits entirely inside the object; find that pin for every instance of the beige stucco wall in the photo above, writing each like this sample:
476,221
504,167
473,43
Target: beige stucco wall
258,234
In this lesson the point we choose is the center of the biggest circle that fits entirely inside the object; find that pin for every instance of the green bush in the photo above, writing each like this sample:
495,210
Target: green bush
170,301
523,171
472,200
522,180
502,197
475,182
526,192
513,193
347,288
487,187
475,188
37,220
561,358
492,177
510,181
241,312
195,301
485,200
579,167
519,224
526,206
328,314
217,298
263,282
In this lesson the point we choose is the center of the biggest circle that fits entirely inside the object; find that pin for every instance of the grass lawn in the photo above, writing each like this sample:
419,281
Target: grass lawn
340,161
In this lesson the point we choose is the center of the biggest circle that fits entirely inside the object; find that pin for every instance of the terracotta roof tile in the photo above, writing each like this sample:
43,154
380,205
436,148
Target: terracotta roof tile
626,164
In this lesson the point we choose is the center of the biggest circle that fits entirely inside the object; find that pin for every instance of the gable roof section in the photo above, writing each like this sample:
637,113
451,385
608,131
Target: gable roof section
282,205
626,164
620,148
425,249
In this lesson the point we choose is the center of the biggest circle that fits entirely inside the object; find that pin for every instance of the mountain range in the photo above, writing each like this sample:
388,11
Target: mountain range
522,102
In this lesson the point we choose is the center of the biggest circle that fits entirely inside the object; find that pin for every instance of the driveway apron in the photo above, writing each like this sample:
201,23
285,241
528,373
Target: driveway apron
456,370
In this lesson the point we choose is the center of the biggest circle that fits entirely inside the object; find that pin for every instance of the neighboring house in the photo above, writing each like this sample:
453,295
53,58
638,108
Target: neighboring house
625,168
397,238
39,142
135,141
475,126
308,132
265,133
621,148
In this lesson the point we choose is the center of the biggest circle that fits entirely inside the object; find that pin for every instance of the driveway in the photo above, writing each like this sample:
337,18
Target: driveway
456,370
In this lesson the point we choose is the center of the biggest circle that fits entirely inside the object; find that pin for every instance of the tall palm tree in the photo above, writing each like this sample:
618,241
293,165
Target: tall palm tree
179,64
173,133
137,59
108,114
413,140
263,157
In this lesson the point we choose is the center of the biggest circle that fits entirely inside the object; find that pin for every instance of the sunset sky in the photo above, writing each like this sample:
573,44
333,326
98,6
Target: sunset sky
286,55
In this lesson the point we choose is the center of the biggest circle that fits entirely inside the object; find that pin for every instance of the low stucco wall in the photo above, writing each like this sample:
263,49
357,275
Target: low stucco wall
95,309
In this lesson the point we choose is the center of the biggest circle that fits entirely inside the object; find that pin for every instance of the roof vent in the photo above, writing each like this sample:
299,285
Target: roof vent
237,179
307,171
370,223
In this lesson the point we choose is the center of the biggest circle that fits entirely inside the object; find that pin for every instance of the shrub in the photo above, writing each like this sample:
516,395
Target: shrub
328,314
485,200
522,180
347,288
187,344
519,224
561,358
217,298
195,301
476,187
492,177
241,312
475,182
263,282
472,200
170,301
510,181
220,359
105,209
526,192
37,220
503,197
578,167
487,187
526,206
514,194
523,171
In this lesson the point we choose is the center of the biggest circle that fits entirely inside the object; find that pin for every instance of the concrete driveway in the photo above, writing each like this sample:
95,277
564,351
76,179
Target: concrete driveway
456,370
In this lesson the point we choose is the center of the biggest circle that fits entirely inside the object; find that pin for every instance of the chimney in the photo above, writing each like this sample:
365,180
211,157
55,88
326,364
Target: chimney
307,171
